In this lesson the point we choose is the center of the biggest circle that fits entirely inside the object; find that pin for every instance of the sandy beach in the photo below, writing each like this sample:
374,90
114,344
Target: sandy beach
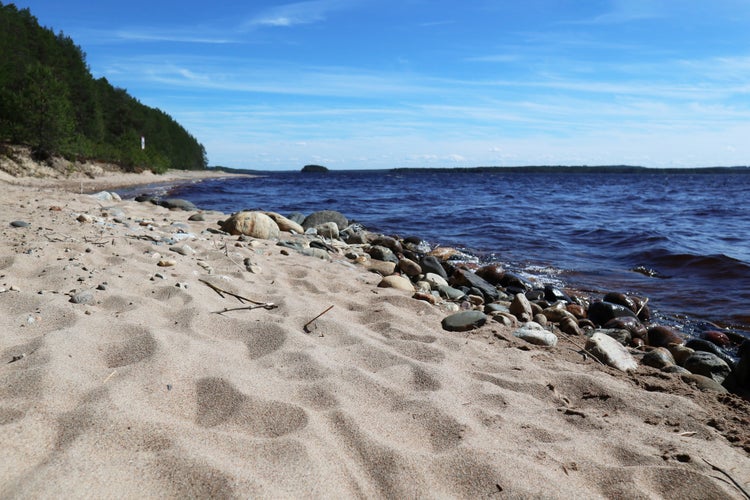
133,365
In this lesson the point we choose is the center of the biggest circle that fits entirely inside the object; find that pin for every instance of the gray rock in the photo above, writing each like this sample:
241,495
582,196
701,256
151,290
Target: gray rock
106,196
611,352
83,297
675,369
431,264
659,358
619,334
534,333
496,307
464,277
20,223
197,217
254,224
520,307
450,293
708,365
178,204
382,253
323,216
182,249
328,230
388,242
297,217
464,321
435,280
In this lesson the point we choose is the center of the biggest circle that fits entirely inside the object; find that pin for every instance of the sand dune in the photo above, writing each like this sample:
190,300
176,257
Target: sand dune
147,389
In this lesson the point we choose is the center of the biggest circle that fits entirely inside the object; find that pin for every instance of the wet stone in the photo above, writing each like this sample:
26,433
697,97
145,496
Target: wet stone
659,358
431,264
708,365
450,293
520,307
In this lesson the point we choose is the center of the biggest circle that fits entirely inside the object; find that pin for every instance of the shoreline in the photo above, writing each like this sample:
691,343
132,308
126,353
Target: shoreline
121,362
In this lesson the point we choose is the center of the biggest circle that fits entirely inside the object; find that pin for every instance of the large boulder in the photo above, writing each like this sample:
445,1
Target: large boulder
323,216
284,223
254,224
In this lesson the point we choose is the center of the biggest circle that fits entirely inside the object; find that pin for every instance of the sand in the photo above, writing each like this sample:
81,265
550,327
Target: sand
149,390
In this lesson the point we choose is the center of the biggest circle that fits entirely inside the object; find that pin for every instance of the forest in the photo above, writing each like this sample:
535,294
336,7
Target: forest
50,101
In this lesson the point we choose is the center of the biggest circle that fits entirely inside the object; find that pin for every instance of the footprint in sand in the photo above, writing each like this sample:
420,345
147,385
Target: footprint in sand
220,403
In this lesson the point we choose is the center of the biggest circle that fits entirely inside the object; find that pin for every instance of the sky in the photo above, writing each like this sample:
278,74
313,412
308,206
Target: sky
354,84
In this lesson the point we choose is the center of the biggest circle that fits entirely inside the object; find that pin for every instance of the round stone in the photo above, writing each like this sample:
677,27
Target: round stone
397,282
709,365
464,321
253,224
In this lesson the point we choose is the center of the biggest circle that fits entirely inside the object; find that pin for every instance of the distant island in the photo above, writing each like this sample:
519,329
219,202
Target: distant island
314,169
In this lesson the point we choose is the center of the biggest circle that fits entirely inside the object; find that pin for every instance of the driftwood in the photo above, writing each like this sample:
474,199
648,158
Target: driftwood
738,485
222,292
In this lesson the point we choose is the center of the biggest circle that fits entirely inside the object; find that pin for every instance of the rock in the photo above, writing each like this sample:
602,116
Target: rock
328,230
719,338
464,321
443,254
707,346
430,264
520,307
382,253
178,204
386,241
285,224
629,323
680,353
601,312
552,294
254,224
323,216
318,253
450,293
534,333
708,365
515,281
640,305
106,196
355,234
297,217
20,223
85,218
540,318
611,352
621,299
435,280
505,319
620,335
397,282
84,297
556,314
166,263
576,310
182,250
703,383
427,297
662,336
409,267
676,369
199,217
381,267
146,198
496,307
741,374
659,358
467,278
570,326
492,273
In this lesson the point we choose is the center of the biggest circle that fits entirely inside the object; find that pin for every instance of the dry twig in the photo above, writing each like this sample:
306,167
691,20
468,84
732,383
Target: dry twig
221,292
305,328
268,306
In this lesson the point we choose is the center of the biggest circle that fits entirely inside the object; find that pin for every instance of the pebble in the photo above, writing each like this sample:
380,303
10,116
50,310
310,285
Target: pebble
382,253
467,278
381,267
534,333
703,383
409,267
520,307
601,312
464,321
199,217
86,218
611,352
83,297
166,263
20,223
397,282
427,297
431,265
182,250
450,293
662,336
435,280
328,230
492,273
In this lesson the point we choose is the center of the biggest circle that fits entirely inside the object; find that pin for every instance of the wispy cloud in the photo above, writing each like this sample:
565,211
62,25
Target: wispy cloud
298,13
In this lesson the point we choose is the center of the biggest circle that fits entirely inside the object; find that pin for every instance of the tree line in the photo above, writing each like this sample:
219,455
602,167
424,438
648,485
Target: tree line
50,101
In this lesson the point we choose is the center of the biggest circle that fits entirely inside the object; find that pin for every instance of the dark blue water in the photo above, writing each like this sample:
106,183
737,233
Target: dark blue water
689,232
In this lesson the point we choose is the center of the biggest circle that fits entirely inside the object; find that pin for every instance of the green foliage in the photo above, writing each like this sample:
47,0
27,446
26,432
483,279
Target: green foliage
50,101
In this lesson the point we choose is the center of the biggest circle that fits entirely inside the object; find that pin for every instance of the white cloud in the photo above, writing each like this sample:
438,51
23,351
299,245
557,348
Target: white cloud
298,13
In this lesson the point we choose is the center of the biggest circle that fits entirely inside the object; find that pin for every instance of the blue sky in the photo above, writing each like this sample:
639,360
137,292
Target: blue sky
393,83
